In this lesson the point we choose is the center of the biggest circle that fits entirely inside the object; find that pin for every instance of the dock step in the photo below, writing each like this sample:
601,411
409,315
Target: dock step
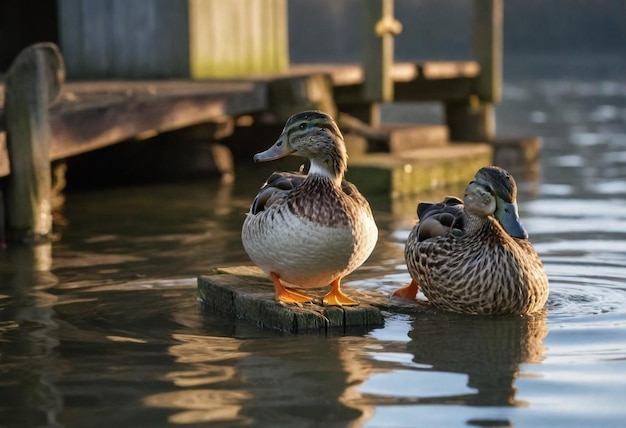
418,170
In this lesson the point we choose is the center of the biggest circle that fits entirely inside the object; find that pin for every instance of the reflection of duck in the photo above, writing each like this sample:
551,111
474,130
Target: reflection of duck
309,230
476,258
306,381
489,350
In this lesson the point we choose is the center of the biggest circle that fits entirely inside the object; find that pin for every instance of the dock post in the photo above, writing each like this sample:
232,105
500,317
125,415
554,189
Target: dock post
379,27
474,119
33,83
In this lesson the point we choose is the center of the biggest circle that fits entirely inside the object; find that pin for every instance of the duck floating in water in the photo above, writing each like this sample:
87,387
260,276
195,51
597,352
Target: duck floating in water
309,230
474,256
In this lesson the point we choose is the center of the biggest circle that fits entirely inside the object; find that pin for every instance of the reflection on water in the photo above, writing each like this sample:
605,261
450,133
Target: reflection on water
456,360
112,335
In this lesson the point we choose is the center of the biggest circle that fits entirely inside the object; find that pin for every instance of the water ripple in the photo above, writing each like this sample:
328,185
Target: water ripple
572,300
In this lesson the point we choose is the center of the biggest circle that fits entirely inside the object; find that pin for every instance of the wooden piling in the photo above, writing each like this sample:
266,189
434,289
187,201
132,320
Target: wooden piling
379,27
290,95
487,49
473,119
33,83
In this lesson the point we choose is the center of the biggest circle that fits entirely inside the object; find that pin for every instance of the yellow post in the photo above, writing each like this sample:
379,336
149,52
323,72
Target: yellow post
237,37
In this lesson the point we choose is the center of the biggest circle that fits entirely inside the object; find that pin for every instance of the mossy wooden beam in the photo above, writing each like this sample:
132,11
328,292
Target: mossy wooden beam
419,170
248,294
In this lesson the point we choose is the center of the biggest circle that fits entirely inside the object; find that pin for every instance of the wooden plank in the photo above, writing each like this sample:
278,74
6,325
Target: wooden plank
414,91
91,115
247,293
81,130
352,74
434,70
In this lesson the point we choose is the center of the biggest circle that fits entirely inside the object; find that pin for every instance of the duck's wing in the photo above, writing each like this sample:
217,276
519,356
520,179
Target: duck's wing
275,189
441,218
353,193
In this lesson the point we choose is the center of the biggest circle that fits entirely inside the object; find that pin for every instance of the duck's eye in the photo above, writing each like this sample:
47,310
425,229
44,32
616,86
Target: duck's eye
302,126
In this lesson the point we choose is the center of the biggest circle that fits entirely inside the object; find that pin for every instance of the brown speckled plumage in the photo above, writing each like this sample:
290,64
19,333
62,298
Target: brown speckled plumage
309,230
479,268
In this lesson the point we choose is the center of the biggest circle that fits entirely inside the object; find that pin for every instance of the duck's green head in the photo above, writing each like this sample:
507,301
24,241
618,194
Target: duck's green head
313,135
493,192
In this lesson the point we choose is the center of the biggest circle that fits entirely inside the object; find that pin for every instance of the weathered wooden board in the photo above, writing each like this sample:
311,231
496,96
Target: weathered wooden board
91,115
247,293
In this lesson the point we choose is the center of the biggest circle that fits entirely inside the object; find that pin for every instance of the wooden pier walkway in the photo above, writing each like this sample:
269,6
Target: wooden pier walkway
93,114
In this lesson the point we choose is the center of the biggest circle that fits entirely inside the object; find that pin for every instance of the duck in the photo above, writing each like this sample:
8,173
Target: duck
309,230
473,256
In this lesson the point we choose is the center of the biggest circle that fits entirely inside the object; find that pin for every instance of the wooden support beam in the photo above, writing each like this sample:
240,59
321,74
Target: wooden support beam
470,121
487,49
290,95
473,119
379,27
33,83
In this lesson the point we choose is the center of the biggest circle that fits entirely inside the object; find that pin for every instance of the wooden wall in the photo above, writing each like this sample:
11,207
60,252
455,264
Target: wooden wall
238,37
172,38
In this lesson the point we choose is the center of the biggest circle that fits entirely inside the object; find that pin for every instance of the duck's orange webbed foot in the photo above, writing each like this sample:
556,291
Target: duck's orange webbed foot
408,292
336,298
288,296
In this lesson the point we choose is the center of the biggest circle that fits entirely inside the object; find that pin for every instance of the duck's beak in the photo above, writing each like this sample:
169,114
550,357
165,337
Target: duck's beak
507,215
280,149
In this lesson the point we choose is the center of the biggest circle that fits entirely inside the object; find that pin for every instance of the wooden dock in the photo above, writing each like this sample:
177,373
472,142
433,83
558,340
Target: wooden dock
405,159
246,293
43,118
93,114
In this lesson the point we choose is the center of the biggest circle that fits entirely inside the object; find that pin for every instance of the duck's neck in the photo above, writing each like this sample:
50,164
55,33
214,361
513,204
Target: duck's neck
331,165
322,169
475,223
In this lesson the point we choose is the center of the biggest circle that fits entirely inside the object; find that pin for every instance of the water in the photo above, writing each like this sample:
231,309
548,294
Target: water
112,334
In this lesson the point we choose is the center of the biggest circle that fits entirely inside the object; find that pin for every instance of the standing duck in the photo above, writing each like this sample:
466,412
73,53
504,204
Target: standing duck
309,230
474,256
